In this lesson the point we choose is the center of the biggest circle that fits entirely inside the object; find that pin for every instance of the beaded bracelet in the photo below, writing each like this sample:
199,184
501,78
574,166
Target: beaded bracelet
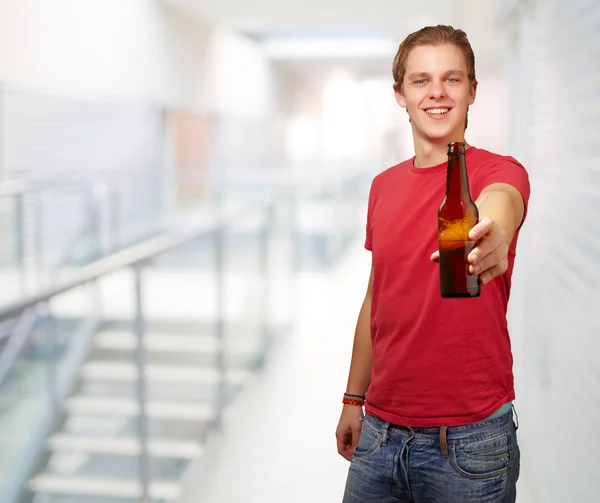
360,397
352,401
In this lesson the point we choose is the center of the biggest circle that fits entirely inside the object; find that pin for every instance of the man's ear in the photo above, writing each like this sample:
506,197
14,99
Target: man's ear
473,92
399,96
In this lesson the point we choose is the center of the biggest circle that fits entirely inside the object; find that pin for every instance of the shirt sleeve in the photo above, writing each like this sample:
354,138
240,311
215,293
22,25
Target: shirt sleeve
504,170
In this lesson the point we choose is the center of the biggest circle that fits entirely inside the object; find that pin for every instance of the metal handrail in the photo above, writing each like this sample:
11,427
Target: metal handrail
149,249
130,257
18,186
19,189
19,336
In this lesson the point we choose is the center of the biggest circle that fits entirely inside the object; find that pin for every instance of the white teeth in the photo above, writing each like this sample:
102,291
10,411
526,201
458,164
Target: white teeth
437,111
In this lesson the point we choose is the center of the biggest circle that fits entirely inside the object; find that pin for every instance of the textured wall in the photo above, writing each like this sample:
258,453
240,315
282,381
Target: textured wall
556,308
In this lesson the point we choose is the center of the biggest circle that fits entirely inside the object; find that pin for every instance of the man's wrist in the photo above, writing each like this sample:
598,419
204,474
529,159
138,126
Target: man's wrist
354,399
353,402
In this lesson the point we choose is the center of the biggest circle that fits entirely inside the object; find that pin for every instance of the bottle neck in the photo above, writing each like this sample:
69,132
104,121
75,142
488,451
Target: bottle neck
457,185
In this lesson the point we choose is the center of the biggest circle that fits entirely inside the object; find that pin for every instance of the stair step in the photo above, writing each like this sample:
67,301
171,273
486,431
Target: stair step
157,409
127,341
96,425
125,446
108,487
169,374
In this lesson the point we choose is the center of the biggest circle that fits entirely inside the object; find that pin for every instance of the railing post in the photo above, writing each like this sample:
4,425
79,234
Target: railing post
294,230
38,243
219,251
20,240
142,392
296,251
115,220
92,199
264,279
49,340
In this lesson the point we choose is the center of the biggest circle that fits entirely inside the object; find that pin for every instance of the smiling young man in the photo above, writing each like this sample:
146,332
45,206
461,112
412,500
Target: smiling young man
434,375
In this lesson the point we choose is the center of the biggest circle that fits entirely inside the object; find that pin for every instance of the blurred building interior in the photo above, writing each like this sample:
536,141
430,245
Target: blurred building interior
183,190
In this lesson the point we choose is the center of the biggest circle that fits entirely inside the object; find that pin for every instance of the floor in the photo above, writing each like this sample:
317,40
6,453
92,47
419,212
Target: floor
278,441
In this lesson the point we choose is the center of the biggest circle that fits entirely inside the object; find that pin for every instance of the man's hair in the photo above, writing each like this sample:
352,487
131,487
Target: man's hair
432,35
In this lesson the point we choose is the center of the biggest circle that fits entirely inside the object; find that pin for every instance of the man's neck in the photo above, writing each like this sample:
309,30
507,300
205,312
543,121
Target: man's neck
428,153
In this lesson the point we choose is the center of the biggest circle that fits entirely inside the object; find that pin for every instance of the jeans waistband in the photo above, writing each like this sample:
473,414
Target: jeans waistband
480,429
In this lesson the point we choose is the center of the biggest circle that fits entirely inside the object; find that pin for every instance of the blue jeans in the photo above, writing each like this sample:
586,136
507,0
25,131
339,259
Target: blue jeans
476,463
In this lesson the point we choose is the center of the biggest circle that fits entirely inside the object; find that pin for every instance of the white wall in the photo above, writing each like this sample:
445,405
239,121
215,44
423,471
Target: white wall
554,130
240,100
489,115
240,79
147,50
136,49
153,52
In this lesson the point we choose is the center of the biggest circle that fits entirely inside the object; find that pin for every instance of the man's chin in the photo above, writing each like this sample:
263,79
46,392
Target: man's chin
440,135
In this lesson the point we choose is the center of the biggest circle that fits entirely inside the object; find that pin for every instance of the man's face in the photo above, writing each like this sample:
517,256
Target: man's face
436,92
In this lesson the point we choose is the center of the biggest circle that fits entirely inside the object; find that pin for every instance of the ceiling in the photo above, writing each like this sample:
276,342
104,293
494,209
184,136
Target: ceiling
324,16
267,20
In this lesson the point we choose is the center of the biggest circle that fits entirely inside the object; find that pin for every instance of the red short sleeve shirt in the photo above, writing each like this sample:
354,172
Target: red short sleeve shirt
436,362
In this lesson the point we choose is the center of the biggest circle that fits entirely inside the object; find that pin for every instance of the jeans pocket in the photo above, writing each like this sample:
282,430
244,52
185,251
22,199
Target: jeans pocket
482,459
368,441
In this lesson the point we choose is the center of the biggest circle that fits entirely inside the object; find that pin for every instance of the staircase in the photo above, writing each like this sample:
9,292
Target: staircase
93,455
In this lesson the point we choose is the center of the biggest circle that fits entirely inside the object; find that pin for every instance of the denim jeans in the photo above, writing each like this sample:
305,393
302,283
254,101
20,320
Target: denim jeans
475,463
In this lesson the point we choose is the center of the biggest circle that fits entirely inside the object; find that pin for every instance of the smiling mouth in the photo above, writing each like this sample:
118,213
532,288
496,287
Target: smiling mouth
437,112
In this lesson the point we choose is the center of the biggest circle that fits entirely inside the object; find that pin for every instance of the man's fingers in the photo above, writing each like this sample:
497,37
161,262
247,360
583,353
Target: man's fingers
481,229
341,444
435,257
491,260
497,270
347,453
484,248
346,442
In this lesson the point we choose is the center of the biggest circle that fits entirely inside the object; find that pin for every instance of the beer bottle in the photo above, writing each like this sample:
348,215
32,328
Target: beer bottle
456,217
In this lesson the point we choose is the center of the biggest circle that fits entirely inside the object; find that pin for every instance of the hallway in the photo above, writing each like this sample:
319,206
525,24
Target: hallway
133,306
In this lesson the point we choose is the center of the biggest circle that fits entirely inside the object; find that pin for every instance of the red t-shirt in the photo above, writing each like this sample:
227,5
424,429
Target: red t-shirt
436,362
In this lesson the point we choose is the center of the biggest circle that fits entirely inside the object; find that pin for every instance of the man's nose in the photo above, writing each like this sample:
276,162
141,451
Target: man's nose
437,89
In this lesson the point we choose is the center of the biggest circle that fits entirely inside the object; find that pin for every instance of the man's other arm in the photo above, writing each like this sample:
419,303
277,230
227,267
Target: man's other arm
359,377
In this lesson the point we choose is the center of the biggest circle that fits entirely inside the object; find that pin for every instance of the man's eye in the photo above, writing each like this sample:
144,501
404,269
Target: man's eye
420,81
452,80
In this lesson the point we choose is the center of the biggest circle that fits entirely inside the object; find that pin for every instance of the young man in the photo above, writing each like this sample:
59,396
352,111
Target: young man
436,373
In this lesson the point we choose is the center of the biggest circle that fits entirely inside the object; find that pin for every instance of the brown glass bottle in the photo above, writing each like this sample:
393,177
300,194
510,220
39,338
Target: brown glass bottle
456,217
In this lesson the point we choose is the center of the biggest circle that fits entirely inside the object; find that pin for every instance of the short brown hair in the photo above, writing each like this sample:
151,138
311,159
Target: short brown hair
432,35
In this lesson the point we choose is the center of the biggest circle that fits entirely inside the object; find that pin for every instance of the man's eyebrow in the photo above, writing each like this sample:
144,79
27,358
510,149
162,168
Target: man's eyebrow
415,75
455,72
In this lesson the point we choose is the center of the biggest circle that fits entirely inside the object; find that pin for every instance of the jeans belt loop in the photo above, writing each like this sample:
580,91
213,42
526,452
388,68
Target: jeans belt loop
384,433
